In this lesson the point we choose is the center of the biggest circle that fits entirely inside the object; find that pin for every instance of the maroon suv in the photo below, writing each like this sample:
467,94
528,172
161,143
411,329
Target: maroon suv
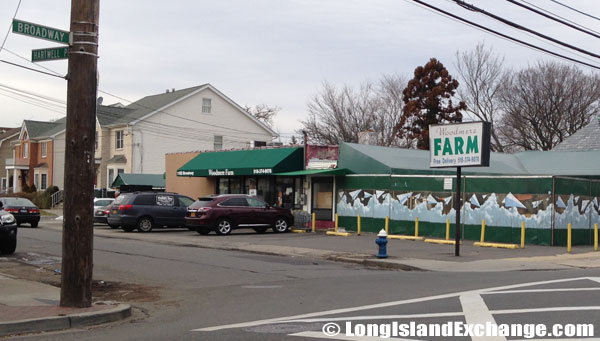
222,213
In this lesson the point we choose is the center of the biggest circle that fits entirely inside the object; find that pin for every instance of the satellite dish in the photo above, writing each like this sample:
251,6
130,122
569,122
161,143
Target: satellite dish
99,100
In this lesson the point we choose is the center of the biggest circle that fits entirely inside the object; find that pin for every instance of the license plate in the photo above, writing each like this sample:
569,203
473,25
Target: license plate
193,214
114,211
23,211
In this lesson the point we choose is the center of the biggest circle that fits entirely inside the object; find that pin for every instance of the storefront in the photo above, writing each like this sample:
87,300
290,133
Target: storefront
255,172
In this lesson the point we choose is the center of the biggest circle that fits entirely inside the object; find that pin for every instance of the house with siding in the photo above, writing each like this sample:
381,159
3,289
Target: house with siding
135,138
8,137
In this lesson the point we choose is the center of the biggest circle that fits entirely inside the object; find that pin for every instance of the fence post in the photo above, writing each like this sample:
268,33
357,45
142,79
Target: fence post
313,222
336,222
358,222
569,238
387,225
522,235
595,237
416,227
447,229
482,230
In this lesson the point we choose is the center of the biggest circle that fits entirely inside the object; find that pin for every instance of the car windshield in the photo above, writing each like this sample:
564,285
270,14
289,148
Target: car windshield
202,202
103,202
18,202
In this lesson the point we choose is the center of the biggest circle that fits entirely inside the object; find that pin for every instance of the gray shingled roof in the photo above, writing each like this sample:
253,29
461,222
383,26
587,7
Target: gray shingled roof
586,138
39,130
108,115
8,133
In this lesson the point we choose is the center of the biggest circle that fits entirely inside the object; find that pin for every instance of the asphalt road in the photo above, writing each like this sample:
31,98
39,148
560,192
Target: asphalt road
202,294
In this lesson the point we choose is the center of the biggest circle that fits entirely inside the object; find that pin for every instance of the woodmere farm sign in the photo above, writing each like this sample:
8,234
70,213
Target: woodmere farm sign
460,145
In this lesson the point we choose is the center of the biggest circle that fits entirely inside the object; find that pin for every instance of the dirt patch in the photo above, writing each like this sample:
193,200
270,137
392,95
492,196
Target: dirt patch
101,290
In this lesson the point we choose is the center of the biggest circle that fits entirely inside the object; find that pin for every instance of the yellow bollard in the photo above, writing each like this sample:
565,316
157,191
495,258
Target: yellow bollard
313,222
358,222
416,227
336,222
569,238
595,237
387,225
482,231
522,235
447,229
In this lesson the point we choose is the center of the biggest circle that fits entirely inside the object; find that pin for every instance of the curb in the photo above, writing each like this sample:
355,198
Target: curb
53,323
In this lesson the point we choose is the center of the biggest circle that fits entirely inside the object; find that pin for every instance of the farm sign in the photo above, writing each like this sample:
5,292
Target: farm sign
459,145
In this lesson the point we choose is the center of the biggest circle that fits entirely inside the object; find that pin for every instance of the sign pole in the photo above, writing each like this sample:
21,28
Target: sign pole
457,209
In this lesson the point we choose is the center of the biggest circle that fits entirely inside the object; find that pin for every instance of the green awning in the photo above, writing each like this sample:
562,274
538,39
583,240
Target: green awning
154,180
244,162
328,171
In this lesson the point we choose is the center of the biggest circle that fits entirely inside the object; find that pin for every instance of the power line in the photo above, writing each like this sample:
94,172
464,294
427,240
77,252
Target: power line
28,68
554,18
520,27
561,17
489,30
10,26
576,10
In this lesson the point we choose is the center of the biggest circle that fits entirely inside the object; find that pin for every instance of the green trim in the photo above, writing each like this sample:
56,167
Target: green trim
330,171
244,162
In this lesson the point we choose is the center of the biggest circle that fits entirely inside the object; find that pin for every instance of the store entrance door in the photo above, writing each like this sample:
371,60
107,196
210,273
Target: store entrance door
322,198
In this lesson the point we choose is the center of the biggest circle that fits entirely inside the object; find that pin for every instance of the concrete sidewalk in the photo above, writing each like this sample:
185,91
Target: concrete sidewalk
29,307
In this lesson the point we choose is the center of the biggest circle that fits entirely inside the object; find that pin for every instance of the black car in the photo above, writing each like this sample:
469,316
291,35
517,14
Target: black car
8,232
22,209
146,210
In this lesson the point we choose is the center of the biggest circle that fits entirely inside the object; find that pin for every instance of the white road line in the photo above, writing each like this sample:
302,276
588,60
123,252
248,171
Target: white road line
539,290
543,310
388,304
477,312
320,335
375,317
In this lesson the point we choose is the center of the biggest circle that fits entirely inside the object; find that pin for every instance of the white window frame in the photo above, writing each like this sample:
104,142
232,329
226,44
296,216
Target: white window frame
25,150
108,175
218,145
36,180
4,184
44,149
206,105
119,139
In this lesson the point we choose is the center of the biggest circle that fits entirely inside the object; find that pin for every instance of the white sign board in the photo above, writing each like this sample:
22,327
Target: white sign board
459,145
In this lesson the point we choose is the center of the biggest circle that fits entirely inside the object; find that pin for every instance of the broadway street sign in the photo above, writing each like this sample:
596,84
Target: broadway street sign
41,32
49,54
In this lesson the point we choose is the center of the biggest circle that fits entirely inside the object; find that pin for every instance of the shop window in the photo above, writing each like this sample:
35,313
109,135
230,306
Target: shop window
284,187
235,185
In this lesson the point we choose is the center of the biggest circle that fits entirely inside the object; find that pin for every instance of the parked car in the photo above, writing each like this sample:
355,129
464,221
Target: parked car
102,202
22,209
147,210
101,213
222,213
8,232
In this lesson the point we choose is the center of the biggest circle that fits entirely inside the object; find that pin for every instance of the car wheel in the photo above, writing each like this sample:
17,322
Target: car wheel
224,227
281,225
8,246
34,224
260,229
203,230
145,224
128,228
113,226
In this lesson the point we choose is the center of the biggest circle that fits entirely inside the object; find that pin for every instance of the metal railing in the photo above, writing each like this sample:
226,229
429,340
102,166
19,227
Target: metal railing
57,198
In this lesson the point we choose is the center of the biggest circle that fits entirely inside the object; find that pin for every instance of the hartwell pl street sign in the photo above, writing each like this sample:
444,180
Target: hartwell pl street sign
459,145
41,32
49,54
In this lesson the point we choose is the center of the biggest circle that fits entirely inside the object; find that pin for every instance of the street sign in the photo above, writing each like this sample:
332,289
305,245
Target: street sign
41,55
41,32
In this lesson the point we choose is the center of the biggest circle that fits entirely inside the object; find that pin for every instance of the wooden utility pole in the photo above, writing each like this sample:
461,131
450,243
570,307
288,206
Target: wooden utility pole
77,241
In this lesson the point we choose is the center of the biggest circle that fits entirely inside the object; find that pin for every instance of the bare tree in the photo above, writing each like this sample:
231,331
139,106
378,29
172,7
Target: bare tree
482,80
341,114
263,113
546,103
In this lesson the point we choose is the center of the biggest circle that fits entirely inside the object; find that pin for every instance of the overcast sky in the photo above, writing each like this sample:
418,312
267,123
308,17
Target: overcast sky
277,52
